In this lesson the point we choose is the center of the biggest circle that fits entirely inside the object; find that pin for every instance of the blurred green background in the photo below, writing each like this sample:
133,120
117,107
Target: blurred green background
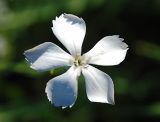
27,23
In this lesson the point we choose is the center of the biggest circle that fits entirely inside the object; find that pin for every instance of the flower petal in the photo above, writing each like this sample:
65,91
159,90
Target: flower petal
70,30
62,90
108,51
99,86
47,56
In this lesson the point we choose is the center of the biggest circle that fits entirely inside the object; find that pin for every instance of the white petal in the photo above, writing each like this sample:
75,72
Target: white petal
99,86
62,90
70,30
47,56
108,51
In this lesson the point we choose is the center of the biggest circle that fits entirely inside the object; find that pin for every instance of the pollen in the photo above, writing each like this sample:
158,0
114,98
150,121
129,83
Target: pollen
79,61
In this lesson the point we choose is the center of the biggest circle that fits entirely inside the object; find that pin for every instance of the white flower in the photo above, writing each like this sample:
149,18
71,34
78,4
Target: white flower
62,90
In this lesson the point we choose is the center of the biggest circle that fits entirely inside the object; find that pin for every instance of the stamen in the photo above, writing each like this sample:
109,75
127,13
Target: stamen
79,61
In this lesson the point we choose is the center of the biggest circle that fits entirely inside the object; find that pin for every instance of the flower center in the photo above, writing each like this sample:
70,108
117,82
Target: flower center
79,61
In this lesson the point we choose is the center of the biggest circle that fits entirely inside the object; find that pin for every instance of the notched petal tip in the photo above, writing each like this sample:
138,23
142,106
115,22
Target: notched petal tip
119,41
63,107
27,60
72,19
25,53
124,46
48,92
